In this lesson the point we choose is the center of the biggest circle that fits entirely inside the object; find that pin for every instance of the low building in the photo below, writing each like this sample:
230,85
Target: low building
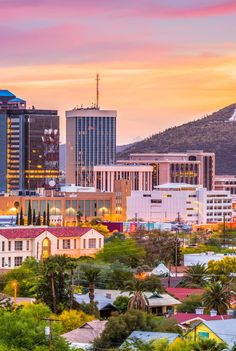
159,304
182,293
226,182
16,244
147,337
204,258
180,202
187,320
220,330
84,336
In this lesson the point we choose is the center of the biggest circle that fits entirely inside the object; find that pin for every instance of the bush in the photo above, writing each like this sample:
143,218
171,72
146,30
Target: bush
190,303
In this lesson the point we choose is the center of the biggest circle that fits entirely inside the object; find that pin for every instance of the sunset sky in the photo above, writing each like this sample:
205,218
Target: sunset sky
161,62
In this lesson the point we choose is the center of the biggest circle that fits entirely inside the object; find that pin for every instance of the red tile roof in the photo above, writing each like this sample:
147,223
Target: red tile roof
183,318
182,293
31,233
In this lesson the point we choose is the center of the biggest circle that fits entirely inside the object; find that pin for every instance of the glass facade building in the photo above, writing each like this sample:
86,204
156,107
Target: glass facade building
29,145
90,141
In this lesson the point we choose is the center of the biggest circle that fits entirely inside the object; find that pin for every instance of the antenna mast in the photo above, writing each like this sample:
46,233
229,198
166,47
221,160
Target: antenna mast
97,98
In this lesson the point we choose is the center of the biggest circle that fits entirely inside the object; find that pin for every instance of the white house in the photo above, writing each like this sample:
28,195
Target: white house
16,244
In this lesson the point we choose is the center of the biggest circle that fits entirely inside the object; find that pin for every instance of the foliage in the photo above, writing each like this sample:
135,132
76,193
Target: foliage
216,297
90,273
213,242
118,328
125,251
72,319
114,276
54,285
121,303
90,309
29,215
222,268
26,277
99,227
115,235
190,303
208,344
24,329
196,276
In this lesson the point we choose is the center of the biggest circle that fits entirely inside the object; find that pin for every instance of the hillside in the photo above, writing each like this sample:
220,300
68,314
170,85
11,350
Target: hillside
213,133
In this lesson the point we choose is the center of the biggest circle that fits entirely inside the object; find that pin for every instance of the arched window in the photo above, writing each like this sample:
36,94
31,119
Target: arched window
46,248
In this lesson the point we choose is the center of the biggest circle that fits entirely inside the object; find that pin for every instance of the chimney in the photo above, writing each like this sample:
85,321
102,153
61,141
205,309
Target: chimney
199,310
213,313
108,296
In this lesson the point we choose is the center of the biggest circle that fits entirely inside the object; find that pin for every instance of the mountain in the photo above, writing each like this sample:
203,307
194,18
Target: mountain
212,133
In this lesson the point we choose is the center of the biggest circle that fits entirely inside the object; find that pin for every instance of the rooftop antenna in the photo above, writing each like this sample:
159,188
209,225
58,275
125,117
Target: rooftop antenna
97,97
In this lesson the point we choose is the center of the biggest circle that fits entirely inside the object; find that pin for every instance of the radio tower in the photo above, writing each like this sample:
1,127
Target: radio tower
97,97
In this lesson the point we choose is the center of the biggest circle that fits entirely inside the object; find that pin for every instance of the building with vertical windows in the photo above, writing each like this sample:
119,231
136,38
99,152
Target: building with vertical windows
90,141
29,145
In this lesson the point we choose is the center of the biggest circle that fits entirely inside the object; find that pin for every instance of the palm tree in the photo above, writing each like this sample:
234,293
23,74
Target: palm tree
90,273
79,215
138,300
216,297
196,276
208,344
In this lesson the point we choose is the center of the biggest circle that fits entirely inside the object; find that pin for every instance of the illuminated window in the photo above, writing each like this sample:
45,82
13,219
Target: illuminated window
92,243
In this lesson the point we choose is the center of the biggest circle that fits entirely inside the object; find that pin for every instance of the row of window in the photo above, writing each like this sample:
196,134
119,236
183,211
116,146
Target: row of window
68,243
18,245
8,262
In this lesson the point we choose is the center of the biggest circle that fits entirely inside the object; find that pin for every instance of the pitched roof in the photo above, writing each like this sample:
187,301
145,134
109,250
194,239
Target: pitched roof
87,333
182,293
224,329
147,337
183,318
6,93
31,233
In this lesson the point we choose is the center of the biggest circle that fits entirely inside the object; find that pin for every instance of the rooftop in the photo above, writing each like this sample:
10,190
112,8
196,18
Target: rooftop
6,93
182,293
87,333
146,336
225,329
183,318
176,186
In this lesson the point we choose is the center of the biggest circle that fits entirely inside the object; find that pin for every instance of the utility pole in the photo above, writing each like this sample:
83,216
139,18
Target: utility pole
48,330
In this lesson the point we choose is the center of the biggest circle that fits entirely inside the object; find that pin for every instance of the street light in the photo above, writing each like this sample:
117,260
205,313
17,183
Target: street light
14,285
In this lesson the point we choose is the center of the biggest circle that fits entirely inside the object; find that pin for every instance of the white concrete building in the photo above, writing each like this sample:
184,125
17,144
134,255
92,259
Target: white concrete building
18,243
190,203
139,175
204,257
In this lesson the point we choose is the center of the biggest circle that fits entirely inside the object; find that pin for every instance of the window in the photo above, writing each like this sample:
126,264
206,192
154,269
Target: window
18,245
156,201
147,195
203,335
9,245
18,261
27,245
84,243
3,245
100,243
66,244
58,244
74,243
3,261
9,261
92,243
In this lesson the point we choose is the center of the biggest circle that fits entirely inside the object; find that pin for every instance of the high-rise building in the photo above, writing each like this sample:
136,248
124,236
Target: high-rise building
29,145
90,141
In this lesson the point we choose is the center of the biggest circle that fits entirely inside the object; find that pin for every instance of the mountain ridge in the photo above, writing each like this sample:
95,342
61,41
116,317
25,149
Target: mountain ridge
201,134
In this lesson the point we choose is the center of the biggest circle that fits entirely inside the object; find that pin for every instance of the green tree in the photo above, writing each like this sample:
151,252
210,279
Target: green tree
124,251
29,216
44,218
216,297
21,217
34,217
79,215
121,303
196,276
48,215
72,319
17,218
38,220
114,276
208,344
138,300
222,269
190,304
90,273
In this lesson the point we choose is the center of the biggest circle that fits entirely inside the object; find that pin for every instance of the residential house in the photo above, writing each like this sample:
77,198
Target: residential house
147,337
219,330
84,336
187,320
182,293
16,244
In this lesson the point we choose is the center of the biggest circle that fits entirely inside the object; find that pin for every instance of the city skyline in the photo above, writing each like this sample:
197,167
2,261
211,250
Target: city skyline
161,63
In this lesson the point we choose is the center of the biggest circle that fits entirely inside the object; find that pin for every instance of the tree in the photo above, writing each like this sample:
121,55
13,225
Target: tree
190,304
121,303
138,300
114,276
21,217
216,297
17,218
34,217
48,215
222,269
72,319
125,251
208,344
29,216
79,215
196,276
118,328
44,218
90,273
38,220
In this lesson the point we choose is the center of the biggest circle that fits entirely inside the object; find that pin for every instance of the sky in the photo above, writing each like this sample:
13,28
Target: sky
161,62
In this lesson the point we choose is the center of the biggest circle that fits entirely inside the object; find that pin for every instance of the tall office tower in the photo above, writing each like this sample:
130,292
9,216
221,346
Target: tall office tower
90,141
29,145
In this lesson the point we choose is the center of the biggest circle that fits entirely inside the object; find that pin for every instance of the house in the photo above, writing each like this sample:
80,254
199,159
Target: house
16,244
182,293
159,304
84,336
161,270
147,337
219,330
186,320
